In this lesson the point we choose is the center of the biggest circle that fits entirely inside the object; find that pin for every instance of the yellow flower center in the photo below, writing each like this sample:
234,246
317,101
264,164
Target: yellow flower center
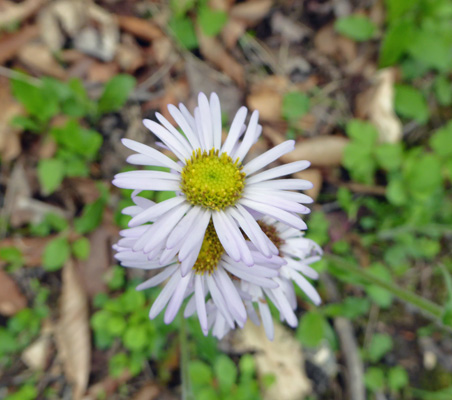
211,180
210,253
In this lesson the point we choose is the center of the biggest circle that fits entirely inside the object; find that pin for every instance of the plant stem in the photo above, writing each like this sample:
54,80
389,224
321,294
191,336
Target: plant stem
186,389
430,309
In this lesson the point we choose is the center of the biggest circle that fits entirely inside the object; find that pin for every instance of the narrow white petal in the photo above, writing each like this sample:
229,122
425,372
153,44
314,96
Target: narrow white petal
306,287
183,227
230,293
219,301
268,157
162,300
196,235
286,169
205,120
143,184
169,140
190,260
249,276
283,204
156,211
249,138
280,215
141,159
215,110
237,236
284,184
284,194
152,153
234,131
176,300
158,279
185,126
176,134
285,308
226,239
267,319
200,303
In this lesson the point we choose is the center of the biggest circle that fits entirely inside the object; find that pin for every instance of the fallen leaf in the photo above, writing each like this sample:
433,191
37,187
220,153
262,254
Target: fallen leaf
129,55
321,151
232,31
139,27
213,51
148,392
11,298
290,30
251,11
73,332
102,71
162,49
38,57
314,176
11,13
31,249
35,356
10,146
377,104
282,357
107,387
11,44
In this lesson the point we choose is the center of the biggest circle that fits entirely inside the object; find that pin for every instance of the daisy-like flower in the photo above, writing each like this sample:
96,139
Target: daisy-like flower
212,183
212,276
298,253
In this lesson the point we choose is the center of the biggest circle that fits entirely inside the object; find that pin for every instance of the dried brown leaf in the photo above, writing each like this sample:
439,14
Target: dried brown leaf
377,104
141,28
314,176
73,333
35,356
31,249
251,11
38,57
11,298
213,50
11,13
321,151
281,357
107,387
10,146
12,43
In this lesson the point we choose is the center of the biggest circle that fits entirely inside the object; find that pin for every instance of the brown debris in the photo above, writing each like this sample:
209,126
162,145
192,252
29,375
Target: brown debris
11,13
37,57
139,27
11,299
11,44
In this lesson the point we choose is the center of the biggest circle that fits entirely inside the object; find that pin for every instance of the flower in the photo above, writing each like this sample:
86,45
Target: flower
212,184
213,274
298,253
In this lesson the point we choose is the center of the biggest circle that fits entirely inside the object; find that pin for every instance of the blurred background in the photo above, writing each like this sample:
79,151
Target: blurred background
363,86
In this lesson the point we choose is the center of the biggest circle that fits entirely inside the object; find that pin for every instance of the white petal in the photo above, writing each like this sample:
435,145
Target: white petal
249,138
158,279
285,184
306,287
283,204
219,301
176,300
162,300
185,126
152,153
156,211
268,157
143,184
176,134
222,230
200,303
205,120
197,233
234,131
286,169
183,227
267,319
215,111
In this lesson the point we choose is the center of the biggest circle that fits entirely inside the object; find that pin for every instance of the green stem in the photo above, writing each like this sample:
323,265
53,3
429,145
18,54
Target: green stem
430,309
184,358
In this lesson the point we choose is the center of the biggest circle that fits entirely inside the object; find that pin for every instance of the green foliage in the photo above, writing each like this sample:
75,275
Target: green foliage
311,328
410,103
211,21
81,248
116,93
380,345
295,105
356,27
12,255
55,254
397,378
374,379
184,31
50,174
92,214
26,392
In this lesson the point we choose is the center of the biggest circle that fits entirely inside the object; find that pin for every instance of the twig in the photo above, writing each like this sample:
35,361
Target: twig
349,346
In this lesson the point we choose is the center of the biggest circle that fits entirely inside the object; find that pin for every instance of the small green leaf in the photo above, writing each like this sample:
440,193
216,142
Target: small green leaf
211,21
116,325
200,374
225,372
379,346
431,49
135,338
410,103
116,93
311,330
397,378
91,217
81,248
56,252
389,156
441,141
295,105
374,379
379,295
356,27
184,31
443,90
50,175
11,255
396,41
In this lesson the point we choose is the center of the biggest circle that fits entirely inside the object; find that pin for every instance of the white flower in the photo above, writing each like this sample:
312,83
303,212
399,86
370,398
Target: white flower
212,183
297,253
212,276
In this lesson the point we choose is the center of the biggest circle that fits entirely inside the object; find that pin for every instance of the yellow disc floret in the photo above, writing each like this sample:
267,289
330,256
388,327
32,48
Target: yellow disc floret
210,253
211,180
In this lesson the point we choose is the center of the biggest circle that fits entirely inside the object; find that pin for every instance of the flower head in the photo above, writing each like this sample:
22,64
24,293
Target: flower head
213,185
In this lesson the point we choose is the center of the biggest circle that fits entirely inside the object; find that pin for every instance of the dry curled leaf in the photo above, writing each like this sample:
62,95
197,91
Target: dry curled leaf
281,357
11,13
377,104
141,28
12,43
11,299
35,356
73,332
321,151
38,57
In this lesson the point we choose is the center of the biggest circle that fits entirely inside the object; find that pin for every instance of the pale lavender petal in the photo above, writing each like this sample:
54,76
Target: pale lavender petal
234,131
237,236
249,138
140,183
176,134
219,300
161,175
184,226
176,300
281,203
158,279
286,169
200,303
215,110
152,213
230,293
249,276
306,287
185,126
284,184
189,261
222,231
162,300
141,159
267,319
196,235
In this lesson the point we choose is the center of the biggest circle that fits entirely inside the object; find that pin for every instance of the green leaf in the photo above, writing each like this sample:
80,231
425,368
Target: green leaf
81,248
180,7
397,378
410,103
11,254
38,101
184,31
116,93
379,295
56,252
374,379
396,41
295,105
26,124
443,90
91,217
311,330
431,49
135,337
396,192
50,175
397,8
225,372
356,27
441,141
363,133
26,392
117,279
200,374
56,222
423,175
116,325
118,364
211,21
359,162
379,346
389,156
